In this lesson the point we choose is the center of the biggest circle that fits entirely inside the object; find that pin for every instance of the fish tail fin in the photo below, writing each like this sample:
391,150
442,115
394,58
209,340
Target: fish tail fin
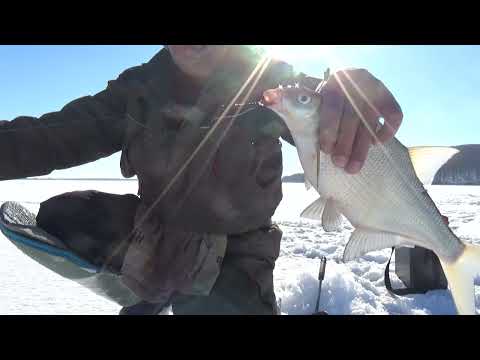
461,275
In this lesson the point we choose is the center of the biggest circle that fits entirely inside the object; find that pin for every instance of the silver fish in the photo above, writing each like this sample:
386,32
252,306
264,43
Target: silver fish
385,202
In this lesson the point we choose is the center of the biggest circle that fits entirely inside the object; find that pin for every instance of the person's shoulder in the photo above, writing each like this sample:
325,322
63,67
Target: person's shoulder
145,71
160,58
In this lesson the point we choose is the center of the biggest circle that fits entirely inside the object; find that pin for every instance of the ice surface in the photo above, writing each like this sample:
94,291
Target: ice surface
353,288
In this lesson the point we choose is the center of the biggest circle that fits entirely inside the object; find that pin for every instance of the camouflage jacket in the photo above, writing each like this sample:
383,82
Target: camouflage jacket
233,183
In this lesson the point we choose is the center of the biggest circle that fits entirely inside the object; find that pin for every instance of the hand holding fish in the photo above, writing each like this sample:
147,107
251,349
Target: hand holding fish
352,101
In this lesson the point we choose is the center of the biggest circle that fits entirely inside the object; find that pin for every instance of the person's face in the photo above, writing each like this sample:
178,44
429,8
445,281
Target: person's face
197,61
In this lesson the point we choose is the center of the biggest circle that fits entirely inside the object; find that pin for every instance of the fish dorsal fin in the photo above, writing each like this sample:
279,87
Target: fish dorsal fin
427,160
363,241
314,211
331,217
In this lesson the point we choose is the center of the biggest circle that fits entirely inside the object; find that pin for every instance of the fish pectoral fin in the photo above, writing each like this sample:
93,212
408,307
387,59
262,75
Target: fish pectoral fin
331,217
362,241
461,276
314,211
428,160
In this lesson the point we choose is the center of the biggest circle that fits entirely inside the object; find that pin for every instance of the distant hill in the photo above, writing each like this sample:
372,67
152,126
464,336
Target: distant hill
461,169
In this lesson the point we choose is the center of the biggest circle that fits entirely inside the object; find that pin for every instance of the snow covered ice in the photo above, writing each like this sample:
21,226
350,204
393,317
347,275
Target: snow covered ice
356,287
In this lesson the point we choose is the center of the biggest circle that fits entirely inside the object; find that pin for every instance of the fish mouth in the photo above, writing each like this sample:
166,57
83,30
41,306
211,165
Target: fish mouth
273,99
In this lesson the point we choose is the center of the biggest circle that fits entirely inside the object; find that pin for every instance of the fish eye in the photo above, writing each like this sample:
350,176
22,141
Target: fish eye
304,99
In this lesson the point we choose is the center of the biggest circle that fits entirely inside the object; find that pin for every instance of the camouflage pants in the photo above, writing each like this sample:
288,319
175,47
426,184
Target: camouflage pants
243,287
92,222
245,283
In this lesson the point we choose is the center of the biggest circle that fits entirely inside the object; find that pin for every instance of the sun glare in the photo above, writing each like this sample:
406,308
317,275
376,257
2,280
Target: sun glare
315,58
291,53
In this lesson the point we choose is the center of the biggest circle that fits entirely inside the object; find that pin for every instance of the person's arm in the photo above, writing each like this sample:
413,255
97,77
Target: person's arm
86,129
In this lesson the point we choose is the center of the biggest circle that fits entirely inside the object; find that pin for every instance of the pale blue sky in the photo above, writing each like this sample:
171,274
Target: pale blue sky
437,86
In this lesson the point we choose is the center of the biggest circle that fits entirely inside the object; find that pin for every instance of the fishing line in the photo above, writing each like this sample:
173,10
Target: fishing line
259,68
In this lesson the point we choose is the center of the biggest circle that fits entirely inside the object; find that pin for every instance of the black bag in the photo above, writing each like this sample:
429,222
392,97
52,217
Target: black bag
419,269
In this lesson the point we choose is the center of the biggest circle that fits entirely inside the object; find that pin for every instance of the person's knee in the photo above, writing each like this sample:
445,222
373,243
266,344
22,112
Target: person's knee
90,223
